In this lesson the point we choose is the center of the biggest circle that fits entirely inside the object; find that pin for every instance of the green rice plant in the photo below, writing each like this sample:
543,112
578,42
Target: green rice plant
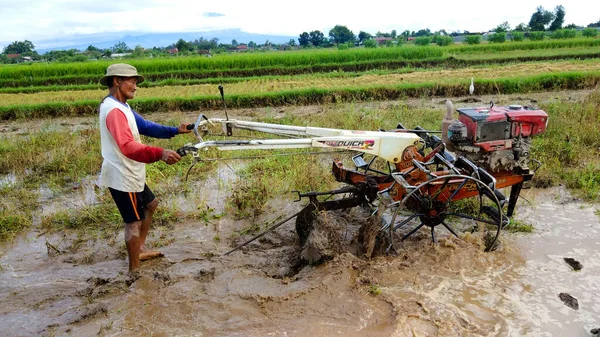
231,75
517,36
528,45
83,99
473,39
49,155
443,41
589,32
497,38
557,34
423,41
424,84
537,36
12,223
570,33
162,68
531,55
263,179
101,217
249,198
586,180
104,217
224,61
569,148
17,206
370,43
374,289
516,226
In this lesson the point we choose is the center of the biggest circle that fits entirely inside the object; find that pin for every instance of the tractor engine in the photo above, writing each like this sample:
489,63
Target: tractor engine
497,138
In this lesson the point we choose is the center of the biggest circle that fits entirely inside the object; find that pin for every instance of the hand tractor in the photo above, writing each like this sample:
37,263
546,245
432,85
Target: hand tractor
453,182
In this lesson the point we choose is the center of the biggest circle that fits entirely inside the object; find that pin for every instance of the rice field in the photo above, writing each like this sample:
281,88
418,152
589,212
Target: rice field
317,81
313,77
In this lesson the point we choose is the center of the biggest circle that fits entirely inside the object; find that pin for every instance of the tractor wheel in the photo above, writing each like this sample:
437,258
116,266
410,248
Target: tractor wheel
450,201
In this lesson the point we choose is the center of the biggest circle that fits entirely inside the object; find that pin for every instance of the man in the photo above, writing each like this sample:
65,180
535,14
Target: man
125,158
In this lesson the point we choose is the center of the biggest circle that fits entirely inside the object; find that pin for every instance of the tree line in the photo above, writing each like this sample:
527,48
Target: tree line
181,47
541,21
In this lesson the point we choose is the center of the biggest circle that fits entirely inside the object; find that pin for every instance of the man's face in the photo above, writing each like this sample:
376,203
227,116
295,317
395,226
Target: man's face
127,86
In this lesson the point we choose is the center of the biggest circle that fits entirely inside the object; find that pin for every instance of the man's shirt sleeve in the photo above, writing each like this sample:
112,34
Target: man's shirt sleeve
117,125
151,129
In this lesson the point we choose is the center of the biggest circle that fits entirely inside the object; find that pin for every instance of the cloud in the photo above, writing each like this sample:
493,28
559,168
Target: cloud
212,14
40,20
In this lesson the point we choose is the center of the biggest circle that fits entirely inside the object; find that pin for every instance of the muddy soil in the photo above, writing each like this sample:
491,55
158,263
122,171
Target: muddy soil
265,289
449,289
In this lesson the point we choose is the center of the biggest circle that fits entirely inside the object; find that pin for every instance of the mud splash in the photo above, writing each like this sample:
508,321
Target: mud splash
449,289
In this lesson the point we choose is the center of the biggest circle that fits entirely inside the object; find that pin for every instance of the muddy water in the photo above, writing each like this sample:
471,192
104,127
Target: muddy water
564,227
450,289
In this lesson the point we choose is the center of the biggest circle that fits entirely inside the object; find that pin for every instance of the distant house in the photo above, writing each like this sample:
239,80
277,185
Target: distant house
119,55
173,51
382,40
285,46
18,58
238,48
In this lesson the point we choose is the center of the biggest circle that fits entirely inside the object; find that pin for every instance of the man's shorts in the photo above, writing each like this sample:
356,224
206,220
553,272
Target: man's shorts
131,205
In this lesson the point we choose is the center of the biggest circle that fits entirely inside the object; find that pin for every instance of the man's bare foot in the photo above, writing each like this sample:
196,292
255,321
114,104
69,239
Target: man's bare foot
150,254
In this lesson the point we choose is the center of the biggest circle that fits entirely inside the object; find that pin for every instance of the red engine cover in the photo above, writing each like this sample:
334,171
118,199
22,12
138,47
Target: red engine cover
523,121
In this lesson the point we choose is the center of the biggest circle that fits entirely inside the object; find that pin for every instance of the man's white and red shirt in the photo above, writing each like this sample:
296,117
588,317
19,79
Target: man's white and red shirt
125,157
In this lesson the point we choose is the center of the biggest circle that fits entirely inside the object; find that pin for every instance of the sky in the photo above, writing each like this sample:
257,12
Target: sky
40,20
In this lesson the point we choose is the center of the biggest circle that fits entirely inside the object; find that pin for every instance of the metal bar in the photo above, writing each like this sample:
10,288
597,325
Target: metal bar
449,228
455,192
263,233
255,144
273,155
515,190
437,193
405,221
412,232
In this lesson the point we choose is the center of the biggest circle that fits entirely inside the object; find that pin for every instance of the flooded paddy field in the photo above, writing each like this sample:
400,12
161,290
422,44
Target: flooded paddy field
449,289
55,284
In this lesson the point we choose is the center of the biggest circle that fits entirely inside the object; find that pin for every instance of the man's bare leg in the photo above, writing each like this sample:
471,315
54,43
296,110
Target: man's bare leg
132,241
146,254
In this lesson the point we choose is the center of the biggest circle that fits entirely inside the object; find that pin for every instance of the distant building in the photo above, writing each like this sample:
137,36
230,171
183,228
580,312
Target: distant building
119,55
18,58
173,51
285,46
238,48
382,40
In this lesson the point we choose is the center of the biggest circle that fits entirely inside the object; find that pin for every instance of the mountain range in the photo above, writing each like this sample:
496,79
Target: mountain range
149,40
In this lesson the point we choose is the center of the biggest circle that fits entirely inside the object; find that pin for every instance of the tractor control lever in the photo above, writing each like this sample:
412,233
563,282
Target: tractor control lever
184,150
224,105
